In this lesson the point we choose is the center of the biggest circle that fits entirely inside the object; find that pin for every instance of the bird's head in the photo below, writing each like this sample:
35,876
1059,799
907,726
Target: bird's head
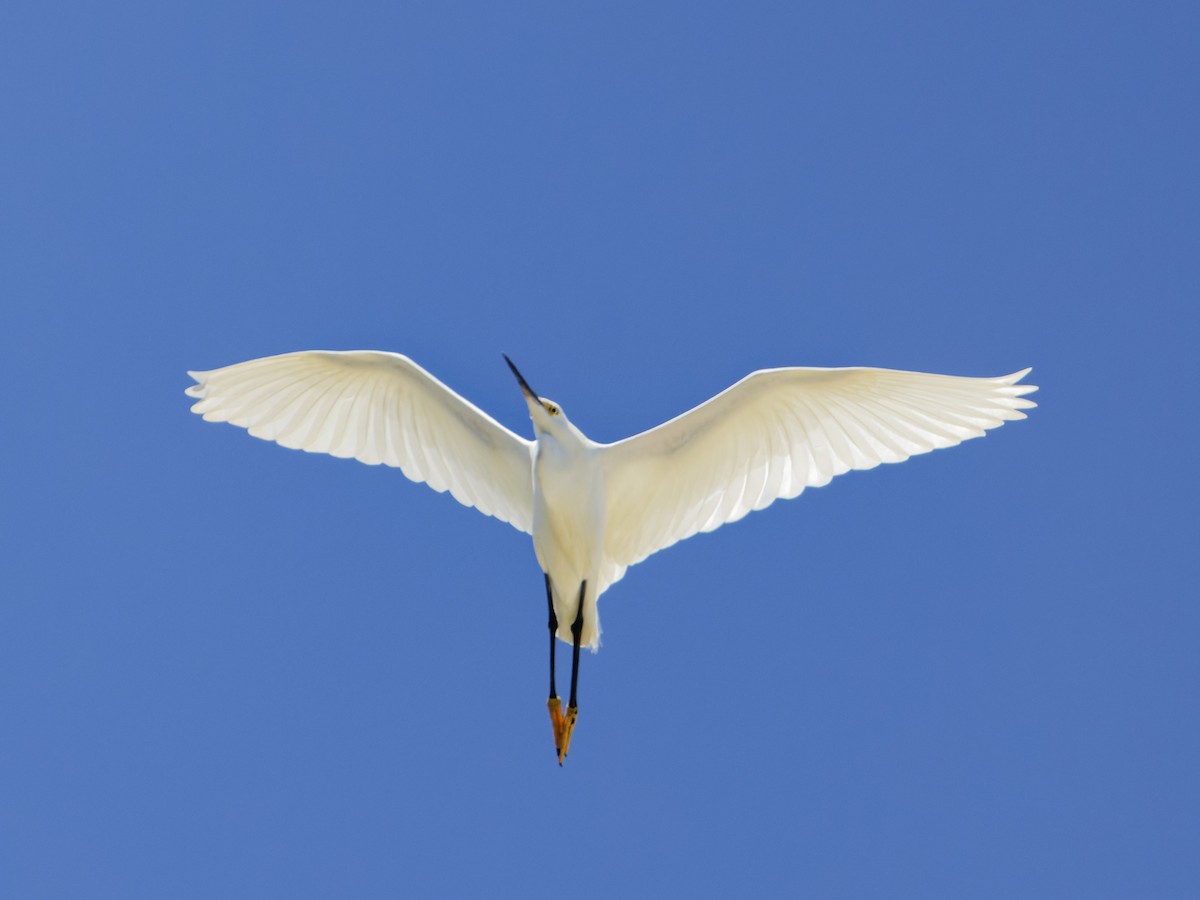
547,416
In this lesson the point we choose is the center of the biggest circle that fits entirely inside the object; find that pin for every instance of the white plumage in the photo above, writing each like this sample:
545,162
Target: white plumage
595,509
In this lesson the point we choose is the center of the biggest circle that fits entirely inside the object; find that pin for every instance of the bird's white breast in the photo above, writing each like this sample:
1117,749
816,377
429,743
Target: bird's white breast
568,512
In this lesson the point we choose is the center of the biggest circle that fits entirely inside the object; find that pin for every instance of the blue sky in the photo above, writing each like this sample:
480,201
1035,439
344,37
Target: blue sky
227,669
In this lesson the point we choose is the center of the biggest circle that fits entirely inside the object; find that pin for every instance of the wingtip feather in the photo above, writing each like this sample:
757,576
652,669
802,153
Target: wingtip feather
197,389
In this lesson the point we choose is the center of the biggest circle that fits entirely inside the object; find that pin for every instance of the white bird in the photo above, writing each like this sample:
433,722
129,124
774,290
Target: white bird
596,509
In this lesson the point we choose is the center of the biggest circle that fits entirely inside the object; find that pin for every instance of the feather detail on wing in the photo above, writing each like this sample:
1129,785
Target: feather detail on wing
377,408
778,431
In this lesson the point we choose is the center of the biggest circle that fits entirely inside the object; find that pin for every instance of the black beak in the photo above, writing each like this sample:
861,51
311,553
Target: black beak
525,388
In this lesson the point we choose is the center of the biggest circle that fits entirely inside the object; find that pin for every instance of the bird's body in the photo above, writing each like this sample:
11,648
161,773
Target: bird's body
568,525
596,509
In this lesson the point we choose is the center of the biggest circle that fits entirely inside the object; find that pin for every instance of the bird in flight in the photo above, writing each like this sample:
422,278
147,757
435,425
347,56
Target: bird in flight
596,509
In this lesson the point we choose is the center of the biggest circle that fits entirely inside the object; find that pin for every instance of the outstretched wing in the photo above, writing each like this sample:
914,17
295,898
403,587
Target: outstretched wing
778,431
378,408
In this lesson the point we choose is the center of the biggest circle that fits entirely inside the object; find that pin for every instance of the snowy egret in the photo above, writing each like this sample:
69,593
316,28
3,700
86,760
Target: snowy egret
596,509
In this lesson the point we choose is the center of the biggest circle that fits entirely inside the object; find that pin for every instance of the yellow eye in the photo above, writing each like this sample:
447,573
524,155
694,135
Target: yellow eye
552,409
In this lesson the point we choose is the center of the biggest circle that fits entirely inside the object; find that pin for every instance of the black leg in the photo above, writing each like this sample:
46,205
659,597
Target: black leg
564,725
554,704
553,633
576,633
563,735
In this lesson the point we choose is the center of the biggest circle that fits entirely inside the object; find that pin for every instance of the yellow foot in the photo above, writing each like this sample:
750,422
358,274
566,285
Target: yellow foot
568,725
556,723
